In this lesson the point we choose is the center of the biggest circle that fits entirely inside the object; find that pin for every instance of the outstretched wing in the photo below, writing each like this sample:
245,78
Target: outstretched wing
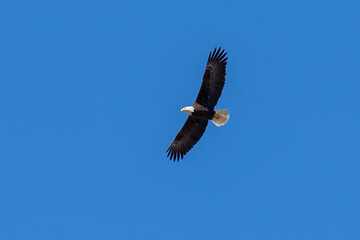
213,79
187,137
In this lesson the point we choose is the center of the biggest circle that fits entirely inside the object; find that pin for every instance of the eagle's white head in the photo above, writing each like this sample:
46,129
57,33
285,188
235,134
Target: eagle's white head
188,110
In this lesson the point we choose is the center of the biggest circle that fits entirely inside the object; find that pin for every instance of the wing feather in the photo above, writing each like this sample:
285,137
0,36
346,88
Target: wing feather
186,138
213,79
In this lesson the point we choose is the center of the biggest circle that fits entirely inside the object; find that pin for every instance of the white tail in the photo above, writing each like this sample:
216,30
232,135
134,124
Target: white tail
221,117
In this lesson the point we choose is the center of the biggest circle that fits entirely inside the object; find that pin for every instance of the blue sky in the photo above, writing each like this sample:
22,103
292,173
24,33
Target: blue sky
90,97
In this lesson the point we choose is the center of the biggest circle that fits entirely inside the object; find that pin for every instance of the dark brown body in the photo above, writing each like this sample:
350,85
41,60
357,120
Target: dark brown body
201,112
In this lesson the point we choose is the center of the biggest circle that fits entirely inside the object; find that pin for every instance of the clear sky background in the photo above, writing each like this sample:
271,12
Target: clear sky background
90,99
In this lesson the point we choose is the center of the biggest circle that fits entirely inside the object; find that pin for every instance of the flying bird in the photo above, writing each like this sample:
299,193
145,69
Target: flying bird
203,108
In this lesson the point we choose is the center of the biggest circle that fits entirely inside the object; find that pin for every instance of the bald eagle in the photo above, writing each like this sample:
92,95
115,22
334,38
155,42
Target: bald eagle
203,108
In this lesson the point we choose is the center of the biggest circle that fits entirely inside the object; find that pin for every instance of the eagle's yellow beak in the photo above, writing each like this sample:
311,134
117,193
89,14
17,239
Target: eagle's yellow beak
183,109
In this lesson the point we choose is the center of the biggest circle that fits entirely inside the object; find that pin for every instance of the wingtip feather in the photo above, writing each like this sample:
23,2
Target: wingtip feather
216,55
